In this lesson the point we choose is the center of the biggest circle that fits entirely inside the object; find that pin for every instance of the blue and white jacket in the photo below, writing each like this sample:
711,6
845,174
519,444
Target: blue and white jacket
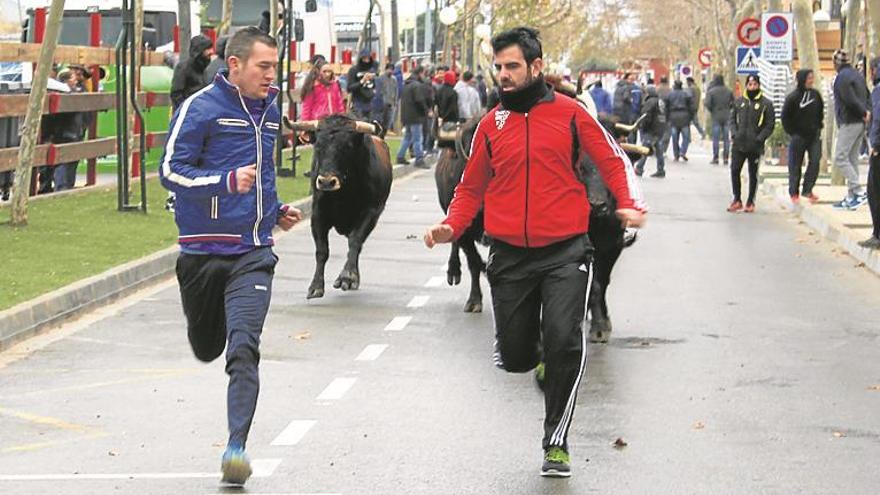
211,135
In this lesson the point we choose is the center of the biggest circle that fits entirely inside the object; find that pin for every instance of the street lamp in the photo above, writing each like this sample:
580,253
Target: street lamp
448,15
483,31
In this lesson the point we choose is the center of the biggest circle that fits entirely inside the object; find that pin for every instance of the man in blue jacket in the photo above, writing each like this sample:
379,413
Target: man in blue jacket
852,114
601,98
219,161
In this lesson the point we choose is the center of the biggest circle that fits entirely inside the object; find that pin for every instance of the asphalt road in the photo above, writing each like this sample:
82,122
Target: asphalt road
742,362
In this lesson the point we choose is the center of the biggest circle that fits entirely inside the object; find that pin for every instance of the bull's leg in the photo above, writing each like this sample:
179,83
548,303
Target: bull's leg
350,276
476,266
600,322
322,253
453,270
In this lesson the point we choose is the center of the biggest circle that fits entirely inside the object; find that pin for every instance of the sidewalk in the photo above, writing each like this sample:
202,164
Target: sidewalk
843,227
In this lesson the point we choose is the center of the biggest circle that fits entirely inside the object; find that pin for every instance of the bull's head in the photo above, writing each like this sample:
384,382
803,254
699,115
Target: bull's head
339,148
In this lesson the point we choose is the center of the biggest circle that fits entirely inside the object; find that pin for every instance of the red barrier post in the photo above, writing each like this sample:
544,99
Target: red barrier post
94,40
136,154
333,54
175,34
311,51
293,51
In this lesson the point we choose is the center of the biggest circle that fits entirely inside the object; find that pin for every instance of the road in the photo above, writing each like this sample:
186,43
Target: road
743,361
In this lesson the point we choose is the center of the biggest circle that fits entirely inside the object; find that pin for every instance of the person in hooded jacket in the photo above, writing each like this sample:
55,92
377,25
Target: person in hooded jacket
751,123
446,98
218,63
653,128
189,74
681,112
362,85
851,105
873,242
719,101
802,116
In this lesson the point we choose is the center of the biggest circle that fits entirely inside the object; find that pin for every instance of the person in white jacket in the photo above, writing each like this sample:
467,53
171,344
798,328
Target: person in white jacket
468,97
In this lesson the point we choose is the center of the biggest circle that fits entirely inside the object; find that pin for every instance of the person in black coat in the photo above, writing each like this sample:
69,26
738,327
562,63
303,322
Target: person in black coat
414,106
751,123
189,74
653,128
803,114
361,85
446,102
681,112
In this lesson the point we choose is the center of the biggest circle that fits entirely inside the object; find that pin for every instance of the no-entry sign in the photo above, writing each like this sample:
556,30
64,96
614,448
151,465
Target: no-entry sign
705,57
776,39
749,32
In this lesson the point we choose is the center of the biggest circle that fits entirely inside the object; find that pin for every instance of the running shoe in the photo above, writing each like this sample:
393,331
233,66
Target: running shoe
795,199
750,208
812,197
859,200
870,243
735,206
557,463
540,372
236,466
843,204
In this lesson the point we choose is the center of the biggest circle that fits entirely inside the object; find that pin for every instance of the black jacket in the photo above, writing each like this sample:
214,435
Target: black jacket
361,92
219,63
803,111
189,74
447,103
681,108
414,103
654,110
751,123
851,97
719,101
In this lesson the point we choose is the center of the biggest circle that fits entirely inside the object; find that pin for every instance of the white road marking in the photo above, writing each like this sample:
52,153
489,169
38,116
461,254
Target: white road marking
435,282
398,323
263,468
418,301
371,352
294,432
337,388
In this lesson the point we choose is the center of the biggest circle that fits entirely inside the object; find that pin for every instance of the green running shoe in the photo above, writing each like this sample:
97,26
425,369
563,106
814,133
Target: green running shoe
236,466
557,463
539,375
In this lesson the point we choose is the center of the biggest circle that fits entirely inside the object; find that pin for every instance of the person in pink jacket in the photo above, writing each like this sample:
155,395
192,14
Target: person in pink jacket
321,94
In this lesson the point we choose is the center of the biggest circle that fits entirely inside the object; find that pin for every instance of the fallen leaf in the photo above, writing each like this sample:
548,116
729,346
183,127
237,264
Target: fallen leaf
699,425
875,388
218,444
619,443
860,265
112,453
303,336
411,237
838,434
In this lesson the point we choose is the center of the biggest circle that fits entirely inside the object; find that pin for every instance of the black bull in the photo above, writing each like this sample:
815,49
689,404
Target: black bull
606,232
351,181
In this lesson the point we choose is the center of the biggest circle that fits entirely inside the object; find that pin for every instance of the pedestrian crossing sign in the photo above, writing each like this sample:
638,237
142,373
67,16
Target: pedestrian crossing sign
747,60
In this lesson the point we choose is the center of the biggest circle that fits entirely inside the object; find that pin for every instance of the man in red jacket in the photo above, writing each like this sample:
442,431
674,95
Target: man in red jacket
523,172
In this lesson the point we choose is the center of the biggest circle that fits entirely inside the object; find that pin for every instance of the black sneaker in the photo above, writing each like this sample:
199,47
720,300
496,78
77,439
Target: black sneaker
870,243
5,196
421,164
557,463
659,174
402,161
639,172
714,161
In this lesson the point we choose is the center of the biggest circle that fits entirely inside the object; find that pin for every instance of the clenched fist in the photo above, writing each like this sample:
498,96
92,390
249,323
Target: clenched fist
245,178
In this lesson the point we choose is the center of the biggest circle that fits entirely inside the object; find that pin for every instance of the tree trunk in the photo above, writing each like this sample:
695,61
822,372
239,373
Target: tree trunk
273,18
774,5
851,35
30,132
757,8
808,56
395,34
874,37
184,20
225,17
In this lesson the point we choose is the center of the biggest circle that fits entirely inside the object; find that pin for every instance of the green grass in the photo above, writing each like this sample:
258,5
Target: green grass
75,236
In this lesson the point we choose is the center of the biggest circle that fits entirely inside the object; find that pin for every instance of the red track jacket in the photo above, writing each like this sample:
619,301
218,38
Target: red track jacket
523,166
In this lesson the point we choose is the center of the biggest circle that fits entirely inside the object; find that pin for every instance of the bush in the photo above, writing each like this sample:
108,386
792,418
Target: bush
779,137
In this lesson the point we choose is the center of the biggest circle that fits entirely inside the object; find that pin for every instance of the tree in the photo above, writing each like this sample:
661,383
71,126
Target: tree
184,20
31,130
225,17
874,15
395,33
851,33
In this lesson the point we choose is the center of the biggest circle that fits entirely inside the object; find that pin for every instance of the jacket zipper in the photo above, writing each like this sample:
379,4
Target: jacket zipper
259,181
528,168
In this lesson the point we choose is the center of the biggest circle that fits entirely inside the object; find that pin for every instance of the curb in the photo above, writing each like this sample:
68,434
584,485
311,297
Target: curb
50,310
827,226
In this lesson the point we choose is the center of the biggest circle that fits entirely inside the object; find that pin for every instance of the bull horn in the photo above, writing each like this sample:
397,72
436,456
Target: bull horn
301,125
629,128
635,148
367,127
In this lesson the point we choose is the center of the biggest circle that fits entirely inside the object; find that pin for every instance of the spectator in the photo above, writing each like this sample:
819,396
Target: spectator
802,116
623,104
390,95
751,123
469,104
637,94
696,96
321,94
432,84
601,98
68,127
218,63
446,102
719,101
362,85
414,104
483,91
852,113
189,74
873,242
681,113
653,128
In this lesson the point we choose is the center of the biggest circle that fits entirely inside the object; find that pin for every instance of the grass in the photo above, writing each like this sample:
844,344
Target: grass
75,236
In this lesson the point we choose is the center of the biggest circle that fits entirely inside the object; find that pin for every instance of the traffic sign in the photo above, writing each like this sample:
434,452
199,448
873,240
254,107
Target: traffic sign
747,60
749,32
686,71
705,57
776,39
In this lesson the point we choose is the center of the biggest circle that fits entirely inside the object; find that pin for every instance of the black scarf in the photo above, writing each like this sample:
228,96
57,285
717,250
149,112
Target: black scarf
522,100
753,94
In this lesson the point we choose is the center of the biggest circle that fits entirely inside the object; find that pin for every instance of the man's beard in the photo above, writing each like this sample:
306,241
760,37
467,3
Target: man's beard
528,80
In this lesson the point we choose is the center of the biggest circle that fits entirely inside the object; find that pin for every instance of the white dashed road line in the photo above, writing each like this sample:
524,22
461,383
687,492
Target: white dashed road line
398,323
294,432
337,388
371,352
418,301
435,281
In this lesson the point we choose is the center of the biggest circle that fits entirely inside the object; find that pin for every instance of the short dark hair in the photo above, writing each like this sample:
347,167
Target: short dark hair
389,66
418,69
650,80
467,76
664,80
691,80
526,38
241,43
